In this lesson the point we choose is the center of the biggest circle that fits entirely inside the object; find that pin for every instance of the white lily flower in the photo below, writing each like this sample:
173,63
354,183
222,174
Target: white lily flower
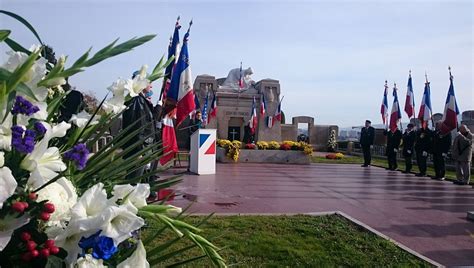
81,119
2,159
6,133
114,105
8,225
120,222
63,195
45,163
137,195
137,259
33,76
7,183
68,239
89,262
173,210
137,84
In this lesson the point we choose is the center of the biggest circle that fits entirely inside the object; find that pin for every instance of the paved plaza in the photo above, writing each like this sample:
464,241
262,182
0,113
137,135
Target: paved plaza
427,216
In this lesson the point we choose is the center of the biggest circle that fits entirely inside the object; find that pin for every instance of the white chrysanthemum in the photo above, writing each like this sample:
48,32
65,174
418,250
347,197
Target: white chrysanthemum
137,195
81,119
7,183
62,194
137,259
89,262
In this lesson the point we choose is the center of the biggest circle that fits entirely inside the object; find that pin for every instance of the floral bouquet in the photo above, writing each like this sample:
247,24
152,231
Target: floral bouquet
61,205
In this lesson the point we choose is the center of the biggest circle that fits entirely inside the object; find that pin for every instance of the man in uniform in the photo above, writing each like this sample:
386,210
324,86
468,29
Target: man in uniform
408,143
441,146
367,136
422,148
393,143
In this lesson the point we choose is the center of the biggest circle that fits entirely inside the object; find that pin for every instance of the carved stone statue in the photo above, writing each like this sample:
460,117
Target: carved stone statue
232,80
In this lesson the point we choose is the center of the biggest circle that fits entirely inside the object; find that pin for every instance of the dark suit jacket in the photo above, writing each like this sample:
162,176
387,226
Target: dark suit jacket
441,144
367,136
408,142
393,140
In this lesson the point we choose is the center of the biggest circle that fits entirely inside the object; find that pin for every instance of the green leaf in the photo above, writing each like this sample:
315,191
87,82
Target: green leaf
21,87
25,22
4,34
83,58
16,47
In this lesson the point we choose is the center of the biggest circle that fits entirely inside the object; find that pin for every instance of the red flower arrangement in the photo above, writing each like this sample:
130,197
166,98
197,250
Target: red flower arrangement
250,146
285,146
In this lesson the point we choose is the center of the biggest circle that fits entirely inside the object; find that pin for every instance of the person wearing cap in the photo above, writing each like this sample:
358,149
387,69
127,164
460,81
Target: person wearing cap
408,141
441,146
367,136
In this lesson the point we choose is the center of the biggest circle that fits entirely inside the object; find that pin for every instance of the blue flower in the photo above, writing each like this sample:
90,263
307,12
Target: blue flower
23,106
78,154
102,246
39,128
23,143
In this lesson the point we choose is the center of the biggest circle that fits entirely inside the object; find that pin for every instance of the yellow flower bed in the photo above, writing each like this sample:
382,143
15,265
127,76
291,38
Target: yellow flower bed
262,145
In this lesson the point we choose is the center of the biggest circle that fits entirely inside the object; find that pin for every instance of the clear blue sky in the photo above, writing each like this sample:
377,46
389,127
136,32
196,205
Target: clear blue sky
331,57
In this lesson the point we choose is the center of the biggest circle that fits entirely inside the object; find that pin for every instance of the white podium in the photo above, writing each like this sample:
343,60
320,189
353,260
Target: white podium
203,152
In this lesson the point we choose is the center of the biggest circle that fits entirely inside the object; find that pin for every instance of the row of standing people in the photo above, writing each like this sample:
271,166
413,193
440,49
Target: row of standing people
421,143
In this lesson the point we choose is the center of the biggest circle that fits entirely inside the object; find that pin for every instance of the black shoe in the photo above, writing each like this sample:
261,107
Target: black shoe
459,182
364,165
420,175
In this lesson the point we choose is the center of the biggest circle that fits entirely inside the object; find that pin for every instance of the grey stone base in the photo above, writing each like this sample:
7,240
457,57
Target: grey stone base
265,156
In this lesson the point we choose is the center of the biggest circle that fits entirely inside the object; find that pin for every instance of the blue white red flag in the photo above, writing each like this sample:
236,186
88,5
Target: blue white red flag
270,121
424,115
197,106
263,107
173,50
451,111
277,116
384,106
181,91
213,111
253,118
396,114
410,99
241,79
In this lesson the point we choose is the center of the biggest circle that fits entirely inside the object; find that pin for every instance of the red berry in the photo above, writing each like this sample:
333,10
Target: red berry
25,204
34,253
54,250
45,216
32,196
26,257
48,207
18,207
49,243
31,245
25,236
44,253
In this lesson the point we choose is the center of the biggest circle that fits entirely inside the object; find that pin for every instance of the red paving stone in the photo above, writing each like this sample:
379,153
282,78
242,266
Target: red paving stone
427,216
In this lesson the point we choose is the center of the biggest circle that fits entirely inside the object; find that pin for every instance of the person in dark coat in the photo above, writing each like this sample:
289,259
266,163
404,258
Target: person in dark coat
423,146
139,113
72,103
408,143
441,146
393,143
367,136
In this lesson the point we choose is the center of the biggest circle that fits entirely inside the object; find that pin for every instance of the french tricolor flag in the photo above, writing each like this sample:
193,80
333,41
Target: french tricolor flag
384,106
424,115
253,118
213,111
396,114
263,107
173,50
170,146
277,116
181,91
451,111
410,99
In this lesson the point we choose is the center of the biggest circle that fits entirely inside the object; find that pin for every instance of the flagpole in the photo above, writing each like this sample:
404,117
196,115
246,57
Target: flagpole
398,103
413,100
